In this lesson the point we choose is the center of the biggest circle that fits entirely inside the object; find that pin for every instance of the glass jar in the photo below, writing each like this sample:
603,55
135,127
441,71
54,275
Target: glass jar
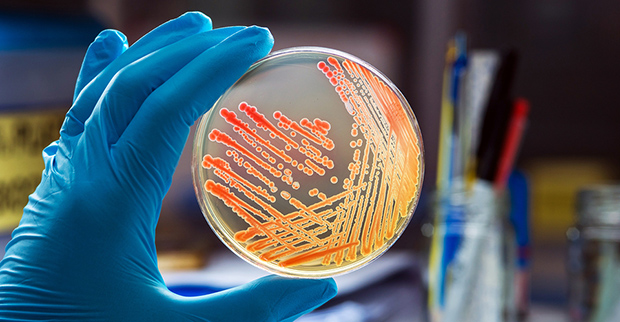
472,258
594,256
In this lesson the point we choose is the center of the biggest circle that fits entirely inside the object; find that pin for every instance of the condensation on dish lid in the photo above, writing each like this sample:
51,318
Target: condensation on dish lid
310,165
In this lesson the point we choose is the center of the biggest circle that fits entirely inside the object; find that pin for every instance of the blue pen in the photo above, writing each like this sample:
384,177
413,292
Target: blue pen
519,218
452,208
459,69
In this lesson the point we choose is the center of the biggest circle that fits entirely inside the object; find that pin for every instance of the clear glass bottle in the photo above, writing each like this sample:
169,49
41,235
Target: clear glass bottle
594,256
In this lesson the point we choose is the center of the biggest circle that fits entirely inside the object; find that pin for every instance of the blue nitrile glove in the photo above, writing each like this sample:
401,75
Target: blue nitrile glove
85,247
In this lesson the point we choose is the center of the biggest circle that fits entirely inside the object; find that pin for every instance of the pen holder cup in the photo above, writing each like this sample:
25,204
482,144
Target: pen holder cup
473,256
594,256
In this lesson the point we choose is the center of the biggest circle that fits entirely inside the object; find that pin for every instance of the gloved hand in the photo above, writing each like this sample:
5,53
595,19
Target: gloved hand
85,247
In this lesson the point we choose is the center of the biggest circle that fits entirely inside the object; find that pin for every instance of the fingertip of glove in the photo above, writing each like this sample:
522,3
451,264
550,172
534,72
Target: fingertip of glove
259,31
331,289
108,45
319,289
195,18
112,35
261,35
322,289
314,292
252,41
112,38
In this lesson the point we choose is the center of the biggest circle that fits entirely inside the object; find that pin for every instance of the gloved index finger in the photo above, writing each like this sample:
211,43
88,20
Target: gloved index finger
108,45
170,32
159,130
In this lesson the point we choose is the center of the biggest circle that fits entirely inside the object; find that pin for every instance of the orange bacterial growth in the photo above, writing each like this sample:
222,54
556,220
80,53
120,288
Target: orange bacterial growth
315,186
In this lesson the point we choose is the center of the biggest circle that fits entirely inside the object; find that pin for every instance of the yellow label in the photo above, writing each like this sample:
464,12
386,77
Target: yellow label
554,187
22,138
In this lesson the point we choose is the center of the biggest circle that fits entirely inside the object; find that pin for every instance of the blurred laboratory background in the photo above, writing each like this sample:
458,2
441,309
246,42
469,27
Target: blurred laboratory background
567,69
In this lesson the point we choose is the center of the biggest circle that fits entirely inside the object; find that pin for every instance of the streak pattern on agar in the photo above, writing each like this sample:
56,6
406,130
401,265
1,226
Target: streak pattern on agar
382,184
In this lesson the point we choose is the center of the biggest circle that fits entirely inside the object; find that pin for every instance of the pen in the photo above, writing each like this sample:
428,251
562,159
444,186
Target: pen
518,190
445,125
481,70
514,133
450,214
459,70
496,119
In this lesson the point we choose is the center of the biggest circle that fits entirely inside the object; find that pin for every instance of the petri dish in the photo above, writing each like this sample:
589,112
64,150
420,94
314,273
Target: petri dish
310,165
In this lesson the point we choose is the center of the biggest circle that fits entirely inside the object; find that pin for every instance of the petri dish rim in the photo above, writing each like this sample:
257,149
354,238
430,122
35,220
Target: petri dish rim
208,208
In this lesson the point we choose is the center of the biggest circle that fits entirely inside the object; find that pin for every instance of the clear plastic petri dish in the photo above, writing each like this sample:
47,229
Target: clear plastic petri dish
310,165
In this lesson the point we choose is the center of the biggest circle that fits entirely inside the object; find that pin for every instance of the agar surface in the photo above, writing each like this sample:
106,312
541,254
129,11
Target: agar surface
380,188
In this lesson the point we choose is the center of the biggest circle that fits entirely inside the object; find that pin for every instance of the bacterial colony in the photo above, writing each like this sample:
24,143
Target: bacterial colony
274,159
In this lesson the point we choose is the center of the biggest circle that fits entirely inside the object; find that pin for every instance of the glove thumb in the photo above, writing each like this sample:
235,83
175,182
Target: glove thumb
271,298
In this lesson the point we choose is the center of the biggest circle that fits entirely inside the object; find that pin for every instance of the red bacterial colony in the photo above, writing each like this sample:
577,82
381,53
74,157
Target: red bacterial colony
265,152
